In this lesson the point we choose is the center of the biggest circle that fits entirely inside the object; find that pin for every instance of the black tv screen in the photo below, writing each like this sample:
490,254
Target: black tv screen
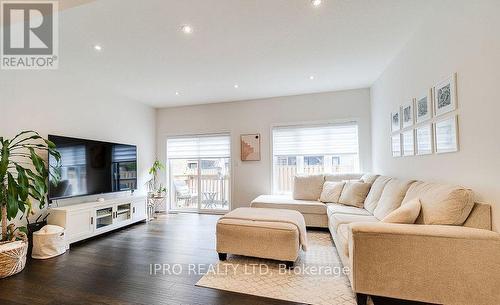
92,167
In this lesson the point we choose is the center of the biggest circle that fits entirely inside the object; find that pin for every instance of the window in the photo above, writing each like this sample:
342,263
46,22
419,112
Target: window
328,148
199,172
313,160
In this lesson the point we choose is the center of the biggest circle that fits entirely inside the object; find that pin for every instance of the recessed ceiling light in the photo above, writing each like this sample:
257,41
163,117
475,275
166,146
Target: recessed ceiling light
236,86
187,29
97,47
177,93
311,77
316,3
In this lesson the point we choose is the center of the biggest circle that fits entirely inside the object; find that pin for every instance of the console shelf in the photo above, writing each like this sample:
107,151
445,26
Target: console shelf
89,219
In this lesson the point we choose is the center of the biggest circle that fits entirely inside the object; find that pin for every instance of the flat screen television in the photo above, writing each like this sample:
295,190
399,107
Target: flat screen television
92,167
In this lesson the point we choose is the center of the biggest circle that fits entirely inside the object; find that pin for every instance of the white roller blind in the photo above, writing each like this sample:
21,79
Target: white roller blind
316,140
215,146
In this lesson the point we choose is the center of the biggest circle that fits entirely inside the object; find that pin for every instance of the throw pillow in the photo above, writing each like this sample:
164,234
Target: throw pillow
369,178
331,191
307,187
407,213
392,196
354,193
442,204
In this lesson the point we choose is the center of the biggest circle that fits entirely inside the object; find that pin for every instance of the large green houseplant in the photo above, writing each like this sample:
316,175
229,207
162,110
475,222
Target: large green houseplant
24,177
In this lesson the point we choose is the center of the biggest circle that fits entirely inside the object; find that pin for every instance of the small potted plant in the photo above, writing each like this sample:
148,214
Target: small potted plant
23,178
156,189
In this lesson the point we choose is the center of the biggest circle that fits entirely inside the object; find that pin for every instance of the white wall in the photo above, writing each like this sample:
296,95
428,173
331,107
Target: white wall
54,103
463,37
253,178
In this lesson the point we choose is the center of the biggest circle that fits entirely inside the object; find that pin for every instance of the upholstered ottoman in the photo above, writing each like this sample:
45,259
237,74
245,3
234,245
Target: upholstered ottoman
259,232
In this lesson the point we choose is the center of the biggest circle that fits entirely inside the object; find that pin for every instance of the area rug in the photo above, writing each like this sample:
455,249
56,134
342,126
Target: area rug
318,277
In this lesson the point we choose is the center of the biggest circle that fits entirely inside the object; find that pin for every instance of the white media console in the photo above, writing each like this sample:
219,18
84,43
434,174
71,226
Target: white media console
89,219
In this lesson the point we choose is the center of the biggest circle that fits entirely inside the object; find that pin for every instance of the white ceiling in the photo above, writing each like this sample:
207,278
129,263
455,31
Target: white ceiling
268,47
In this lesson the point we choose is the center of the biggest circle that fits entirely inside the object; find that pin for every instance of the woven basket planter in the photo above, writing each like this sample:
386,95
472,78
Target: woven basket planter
13,260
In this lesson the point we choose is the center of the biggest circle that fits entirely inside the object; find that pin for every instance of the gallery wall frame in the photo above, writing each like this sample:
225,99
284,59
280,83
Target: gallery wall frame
424,139
446,135
423,106
396,145
429,123
396,120
408,142
408,114
445,95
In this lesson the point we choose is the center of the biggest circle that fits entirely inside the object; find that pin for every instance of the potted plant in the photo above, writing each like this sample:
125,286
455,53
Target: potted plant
156,189
23,178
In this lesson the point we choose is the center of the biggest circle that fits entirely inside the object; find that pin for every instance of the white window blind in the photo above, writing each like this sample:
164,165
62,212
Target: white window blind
316,140
214,146
313,149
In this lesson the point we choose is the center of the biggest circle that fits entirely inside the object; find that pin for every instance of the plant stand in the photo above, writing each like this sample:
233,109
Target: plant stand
153,203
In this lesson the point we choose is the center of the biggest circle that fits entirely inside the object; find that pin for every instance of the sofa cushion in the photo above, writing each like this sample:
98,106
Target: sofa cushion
342,177
337,208
354,193
375,192
307,187
287,202
392,196
479,217
343,239
331,191
337,219
407,213
369,178
442,204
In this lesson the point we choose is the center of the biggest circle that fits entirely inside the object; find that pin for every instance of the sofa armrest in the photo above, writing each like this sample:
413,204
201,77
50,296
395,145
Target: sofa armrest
428,263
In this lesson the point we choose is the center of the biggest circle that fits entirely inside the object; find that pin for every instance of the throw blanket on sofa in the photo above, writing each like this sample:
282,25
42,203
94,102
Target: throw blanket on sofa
272,215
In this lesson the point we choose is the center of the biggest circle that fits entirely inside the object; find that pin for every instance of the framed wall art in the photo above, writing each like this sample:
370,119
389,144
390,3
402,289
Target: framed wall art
396,145
424,143
423,107
446,135
250,147
407,113
445,96
408,139
396,120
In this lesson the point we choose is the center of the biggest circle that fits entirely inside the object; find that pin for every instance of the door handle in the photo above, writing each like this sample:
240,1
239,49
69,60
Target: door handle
133,210
91,220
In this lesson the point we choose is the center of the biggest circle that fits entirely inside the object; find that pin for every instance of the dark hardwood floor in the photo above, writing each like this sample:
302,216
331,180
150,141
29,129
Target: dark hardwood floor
115,269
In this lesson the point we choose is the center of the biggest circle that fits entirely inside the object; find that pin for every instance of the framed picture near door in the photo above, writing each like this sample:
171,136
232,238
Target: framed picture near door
250,147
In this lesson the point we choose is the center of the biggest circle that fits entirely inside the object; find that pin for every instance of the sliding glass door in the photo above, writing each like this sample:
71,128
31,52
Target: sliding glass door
199,170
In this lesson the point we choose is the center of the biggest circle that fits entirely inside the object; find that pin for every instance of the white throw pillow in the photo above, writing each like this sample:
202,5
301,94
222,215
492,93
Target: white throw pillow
308,187
407,213
375,193
392,196
331,191
354,193
369,178
442,204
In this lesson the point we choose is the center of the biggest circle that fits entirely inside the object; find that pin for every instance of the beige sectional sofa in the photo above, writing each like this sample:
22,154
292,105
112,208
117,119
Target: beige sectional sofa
449,256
